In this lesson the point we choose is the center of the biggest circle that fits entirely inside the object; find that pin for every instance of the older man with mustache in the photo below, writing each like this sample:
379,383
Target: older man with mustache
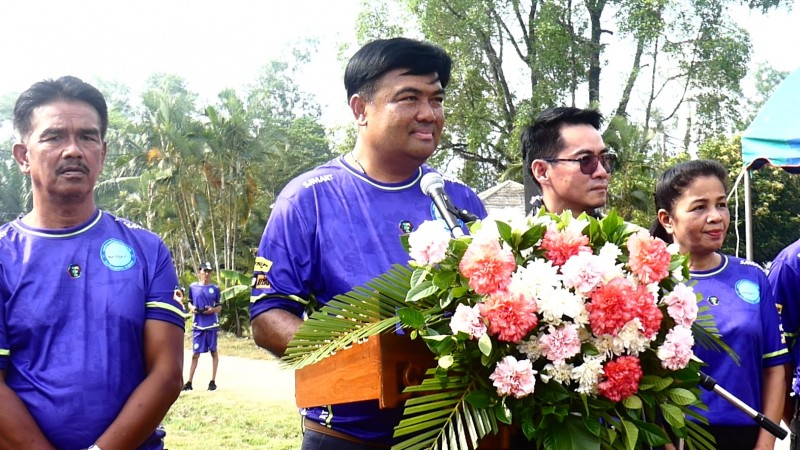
91,337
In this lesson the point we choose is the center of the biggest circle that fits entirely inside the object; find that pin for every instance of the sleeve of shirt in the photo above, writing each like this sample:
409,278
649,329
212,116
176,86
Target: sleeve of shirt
775,352
5,345
785,285
161,304
284,262
218,296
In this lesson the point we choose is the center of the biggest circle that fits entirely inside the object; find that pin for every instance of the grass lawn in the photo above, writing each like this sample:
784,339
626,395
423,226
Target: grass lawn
204,421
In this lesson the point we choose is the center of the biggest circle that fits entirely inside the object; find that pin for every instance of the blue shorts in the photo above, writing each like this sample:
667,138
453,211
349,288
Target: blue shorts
204,340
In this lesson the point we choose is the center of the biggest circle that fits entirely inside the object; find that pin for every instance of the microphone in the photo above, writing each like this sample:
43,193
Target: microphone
710,384
432,184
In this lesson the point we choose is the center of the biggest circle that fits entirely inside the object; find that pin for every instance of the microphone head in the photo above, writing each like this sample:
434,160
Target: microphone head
430,181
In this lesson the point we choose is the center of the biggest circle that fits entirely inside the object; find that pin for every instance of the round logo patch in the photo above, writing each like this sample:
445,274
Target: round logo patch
117,255
211,290
74,271
748,291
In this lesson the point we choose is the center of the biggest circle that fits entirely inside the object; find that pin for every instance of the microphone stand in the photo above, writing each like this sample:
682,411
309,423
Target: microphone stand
710,384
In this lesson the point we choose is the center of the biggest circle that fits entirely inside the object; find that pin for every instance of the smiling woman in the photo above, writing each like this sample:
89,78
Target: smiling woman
693,213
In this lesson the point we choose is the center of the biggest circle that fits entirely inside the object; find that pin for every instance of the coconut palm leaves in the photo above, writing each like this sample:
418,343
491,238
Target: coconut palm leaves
349,318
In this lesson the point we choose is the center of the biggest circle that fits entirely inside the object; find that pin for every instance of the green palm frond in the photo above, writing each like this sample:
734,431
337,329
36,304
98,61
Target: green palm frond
350,318
707,334
441,418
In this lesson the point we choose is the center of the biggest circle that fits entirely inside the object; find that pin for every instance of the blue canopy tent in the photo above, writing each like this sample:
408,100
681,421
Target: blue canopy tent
772,138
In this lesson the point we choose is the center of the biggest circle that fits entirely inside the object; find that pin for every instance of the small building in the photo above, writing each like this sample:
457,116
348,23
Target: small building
508,194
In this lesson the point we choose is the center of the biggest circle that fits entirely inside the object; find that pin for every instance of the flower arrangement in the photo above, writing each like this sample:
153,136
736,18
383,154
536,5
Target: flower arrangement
578,332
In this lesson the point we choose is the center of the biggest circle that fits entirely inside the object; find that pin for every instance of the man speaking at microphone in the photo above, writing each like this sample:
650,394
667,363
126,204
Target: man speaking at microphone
339,225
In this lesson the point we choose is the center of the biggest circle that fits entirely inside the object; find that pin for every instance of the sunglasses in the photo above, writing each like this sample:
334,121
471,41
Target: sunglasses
589,162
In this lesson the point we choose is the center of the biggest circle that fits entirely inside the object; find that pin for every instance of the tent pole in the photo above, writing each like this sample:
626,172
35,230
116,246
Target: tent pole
748,217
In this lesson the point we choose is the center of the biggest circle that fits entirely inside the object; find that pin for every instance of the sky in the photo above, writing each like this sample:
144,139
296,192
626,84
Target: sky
220,44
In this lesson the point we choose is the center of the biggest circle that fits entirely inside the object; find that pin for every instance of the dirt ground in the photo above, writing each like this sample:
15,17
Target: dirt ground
250,378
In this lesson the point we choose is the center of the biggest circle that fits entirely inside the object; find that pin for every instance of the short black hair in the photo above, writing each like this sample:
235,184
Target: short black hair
673,183
376,58
542,139
67,88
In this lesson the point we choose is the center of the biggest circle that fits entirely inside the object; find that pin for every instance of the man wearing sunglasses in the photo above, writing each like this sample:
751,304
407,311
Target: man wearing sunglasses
568,161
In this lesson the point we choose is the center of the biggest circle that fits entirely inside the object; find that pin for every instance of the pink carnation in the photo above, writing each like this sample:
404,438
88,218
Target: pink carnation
511,317
649,258
468,320
561,245
621,378
610,308
561,344
646,310
428,243
620,301
513,377
488,266
676,350
682,305
584,271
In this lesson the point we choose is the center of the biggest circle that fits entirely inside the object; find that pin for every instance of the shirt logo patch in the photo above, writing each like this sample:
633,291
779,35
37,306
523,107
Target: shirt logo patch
748,291
261,282
211,290
74,271
713,300
262,265
406,226
117,255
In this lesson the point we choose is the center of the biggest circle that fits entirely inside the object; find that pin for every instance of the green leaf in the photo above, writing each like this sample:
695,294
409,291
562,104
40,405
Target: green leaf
673,415
480,399
531,237
485,344
502,413
681,396
630,434
570,434
411,317
418,276
632,402
443,280
655,383
420,291
505,232
651,433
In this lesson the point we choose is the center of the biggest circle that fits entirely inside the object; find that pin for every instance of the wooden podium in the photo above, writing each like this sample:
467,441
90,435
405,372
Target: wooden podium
378,369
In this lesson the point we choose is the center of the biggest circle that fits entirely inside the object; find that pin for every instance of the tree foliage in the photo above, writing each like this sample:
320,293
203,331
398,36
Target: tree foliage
677,67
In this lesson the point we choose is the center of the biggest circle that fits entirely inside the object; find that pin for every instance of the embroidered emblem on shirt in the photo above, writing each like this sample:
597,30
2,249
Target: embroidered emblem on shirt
406,226
261,282
748,291
211,290
74,271
117,255
713,300
262,265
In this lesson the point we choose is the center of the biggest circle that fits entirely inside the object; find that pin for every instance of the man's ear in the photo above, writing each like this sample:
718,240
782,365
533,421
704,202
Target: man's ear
359,107
20,151
540,172
665,220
